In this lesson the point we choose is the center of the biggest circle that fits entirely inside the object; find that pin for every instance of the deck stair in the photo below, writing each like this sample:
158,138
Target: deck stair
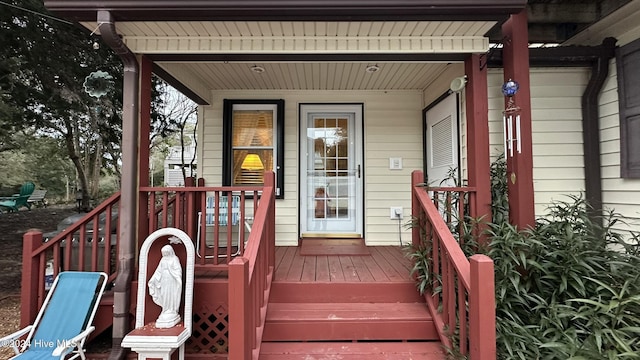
348,321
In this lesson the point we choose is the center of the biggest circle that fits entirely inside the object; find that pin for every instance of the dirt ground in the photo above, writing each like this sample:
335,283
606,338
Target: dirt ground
12,227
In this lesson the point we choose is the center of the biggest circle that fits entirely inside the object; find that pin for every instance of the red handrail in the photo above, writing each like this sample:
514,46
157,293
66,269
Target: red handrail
250,278
455,281
64,252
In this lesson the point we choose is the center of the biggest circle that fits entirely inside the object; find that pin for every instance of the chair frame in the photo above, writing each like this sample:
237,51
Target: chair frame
223,213
64,347
16,201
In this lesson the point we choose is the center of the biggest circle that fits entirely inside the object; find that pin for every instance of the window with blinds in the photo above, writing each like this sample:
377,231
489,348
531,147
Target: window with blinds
253,132
252,150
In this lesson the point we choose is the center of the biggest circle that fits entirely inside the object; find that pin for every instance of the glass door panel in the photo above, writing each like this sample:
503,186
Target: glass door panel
331,175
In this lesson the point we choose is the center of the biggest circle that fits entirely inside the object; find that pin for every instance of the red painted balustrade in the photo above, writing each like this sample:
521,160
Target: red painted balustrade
44,257
461,293
234,228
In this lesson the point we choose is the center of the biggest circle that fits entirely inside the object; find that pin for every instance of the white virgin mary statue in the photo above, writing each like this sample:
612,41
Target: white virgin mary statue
165,288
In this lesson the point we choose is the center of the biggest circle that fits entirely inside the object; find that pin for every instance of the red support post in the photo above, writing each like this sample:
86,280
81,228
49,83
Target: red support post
520,165
479,161
270,180
146,70
482,309
30,271
239,300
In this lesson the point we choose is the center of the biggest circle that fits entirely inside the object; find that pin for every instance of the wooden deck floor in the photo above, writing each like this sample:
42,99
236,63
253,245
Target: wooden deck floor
384,264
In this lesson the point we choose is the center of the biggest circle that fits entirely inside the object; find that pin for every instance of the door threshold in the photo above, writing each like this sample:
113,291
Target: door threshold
333,247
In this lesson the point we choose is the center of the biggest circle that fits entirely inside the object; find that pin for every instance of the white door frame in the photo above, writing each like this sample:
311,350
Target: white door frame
350,222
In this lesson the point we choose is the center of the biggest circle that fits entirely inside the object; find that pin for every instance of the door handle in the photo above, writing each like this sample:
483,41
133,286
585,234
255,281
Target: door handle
358,171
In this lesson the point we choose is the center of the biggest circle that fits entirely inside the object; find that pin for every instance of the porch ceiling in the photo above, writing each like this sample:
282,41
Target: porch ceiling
303,55
305,75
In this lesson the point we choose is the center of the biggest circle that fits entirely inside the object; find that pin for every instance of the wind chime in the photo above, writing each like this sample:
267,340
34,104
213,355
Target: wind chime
511,120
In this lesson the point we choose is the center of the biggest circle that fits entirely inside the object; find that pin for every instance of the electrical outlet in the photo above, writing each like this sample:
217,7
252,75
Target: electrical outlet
395,213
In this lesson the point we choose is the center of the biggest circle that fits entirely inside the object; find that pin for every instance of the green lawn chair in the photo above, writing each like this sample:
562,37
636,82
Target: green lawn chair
15,202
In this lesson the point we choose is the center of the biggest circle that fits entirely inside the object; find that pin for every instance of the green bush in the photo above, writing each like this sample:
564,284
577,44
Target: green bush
568,288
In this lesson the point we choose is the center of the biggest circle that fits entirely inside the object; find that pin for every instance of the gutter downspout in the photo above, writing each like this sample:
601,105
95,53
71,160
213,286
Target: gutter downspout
591,129
129,188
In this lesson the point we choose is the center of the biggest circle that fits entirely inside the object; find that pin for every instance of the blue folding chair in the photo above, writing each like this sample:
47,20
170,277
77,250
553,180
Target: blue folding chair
223,219
64,321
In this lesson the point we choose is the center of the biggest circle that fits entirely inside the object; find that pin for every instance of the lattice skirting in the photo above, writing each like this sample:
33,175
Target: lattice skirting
210,331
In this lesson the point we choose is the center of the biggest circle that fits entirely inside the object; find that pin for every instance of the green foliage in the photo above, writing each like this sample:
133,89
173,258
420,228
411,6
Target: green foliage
41,160
421,257
568,288
43,66
499,198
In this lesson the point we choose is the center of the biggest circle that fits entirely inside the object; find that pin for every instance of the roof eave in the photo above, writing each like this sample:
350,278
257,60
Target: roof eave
301,10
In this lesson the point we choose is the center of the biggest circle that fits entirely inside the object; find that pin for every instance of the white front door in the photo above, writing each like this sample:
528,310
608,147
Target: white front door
442,143
331,201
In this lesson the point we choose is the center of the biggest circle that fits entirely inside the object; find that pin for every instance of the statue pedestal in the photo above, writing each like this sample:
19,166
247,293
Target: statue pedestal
150,342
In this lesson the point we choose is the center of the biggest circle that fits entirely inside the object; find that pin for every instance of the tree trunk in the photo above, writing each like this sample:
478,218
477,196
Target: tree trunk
83,199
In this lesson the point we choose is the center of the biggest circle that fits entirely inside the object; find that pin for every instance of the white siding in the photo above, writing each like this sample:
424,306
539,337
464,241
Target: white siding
441,84
558,157
393,128
619,195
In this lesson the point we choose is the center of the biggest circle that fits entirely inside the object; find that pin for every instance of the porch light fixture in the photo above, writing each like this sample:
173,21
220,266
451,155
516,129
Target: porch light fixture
257,69
372,68
252,162
458,84
511,112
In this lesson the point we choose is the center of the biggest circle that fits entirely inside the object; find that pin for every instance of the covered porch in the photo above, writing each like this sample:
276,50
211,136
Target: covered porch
346,87
272,301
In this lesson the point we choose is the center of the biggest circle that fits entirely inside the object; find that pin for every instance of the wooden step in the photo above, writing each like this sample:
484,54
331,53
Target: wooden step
348,321
331,292
352,351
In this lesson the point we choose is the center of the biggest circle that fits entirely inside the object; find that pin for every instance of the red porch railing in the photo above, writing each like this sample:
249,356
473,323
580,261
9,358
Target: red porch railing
87,252
455,204
226,223
217,218
250,280
461,294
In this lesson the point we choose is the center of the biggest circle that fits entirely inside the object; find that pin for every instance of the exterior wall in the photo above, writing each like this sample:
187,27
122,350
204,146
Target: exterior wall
442,83
558,158
619,195
393,128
